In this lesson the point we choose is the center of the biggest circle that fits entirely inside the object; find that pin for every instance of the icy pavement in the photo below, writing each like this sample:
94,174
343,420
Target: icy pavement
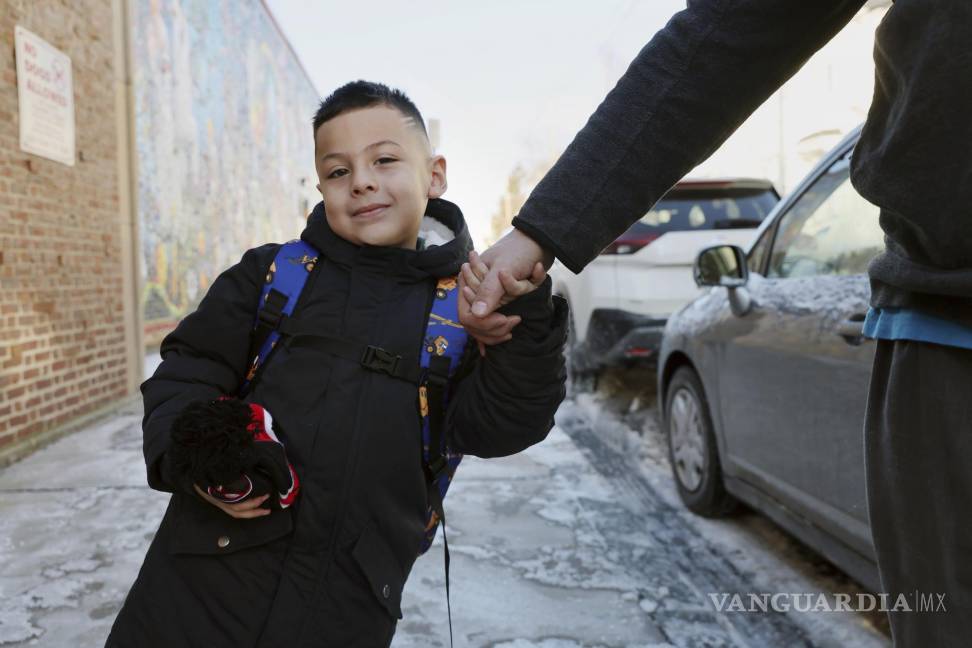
577,543
75,521
580,542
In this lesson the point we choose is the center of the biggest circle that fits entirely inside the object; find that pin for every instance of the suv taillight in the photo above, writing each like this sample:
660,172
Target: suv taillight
629,244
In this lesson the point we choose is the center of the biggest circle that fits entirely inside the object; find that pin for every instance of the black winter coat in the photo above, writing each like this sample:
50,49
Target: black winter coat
329,571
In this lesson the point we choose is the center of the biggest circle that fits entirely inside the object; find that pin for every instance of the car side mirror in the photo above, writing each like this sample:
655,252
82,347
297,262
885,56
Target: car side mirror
721,265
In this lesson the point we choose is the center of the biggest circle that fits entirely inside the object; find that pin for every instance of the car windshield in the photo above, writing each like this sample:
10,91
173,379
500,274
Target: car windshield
689,210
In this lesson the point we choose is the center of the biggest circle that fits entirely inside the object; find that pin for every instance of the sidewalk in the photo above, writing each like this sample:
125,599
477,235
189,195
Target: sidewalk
76,518
557,547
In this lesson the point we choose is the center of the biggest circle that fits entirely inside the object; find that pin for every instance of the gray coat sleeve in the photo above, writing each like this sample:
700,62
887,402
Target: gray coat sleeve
505,402
205,356
684,94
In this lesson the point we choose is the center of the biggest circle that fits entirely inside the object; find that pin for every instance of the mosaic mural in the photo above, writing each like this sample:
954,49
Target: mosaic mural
225,150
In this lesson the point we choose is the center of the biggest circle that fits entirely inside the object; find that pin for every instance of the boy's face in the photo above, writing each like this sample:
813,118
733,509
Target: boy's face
376,173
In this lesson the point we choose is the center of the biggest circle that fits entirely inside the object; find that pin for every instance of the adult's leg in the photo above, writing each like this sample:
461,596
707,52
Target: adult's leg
918,452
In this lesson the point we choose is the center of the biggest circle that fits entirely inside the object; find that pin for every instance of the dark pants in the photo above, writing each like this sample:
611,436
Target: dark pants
918,449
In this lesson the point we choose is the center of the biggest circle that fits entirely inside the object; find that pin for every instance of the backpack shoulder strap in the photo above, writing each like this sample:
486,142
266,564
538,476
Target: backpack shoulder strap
442,352
443,348
282,286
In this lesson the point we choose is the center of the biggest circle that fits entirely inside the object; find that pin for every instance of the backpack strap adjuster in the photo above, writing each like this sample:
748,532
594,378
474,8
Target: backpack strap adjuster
436,468
436,379
270,319
377,359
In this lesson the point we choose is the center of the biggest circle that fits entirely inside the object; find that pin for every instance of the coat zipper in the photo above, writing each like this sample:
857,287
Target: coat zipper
349,468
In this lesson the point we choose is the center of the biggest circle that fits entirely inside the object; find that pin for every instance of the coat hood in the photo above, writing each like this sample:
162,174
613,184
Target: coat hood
443,228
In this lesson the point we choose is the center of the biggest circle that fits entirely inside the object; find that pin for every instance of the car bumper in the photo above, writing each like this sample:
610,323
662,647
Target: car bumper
617,337
639,344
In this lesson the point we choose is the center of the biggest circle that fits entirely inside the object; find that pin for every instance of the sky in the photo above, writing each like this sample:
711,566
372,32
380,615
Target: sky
510,82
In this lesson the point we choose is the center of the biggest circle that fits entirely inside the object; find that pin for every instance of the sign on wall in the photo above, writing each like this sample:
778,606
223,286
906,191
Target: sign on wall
46,92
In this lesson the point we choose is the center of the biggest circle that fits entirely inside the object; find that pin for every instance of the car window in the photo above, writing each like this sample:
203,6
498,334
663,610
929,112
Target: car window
829,230
705,209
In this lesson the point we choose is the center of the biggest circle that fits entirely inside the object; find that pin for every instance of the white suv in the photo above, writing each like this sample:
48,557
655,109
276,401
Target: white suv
620,302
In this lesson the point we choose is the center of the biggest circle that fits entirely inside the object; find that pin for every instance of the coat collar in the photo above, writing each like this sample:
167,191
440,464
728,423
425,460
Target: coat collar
438,261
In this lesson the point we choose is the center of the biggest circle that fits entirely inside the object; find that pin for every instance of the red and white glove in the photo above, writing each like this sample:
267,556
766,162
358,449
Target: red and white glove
264,459
229,448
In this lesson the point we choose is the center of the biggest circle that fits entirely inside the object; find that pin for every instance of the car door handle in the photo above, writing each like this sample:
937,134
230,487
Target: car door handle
851,329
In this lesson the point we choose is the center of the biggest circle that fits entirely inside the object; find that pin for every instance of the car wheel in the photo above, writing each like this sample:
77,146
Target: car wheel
578,380
692,450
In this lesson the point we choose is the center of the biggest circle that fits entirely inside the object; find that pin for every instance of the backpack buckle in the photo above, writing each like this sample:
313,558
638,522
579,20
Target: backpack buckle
377,359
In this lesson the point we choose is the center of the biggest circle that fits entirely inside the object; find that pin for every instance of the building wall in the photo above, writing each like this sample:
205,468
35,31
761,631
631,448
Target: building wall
225,149
193,143
65,350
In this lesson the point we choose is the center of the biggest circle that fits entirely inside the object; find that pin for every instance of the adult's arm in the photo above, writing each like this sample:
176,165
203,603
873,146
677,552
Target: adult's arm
696,81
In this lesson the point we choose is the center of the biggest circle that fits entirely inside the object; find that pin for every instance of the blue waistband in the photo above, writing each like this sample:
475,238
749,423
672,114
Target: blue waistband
909,324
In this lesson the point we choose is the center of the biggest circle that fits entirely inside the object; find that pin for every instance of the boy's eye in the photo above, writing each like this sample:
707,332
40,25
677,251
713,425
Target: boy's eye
337,173
386,160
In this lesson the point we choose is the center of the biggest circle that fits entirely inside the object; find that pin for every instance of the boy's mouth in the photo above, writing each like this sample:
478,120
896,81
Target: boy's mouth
369,211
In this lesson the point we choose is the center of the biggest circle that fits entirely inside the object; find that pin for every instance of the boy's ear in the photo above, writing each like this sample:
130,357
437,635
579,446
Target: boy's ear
437,176
318,185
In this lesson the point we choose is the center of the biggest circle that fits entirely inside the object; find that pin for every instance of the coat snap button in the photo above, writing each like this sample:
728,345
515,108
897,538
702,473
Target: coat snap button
386,591
223,542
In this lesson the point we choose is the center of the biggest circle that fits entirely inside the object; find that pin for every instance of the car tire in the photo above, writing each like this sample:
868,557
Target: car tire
578,380
692,449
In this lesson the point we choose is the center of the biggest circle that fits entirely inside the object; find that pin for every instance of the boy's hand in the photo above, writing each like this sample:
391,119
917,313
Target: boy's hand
250,508
495,327
226,447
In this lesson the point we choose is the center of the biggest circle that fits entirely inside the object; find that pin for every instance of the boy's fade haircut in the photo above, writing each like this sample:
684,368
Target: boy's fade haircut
364,94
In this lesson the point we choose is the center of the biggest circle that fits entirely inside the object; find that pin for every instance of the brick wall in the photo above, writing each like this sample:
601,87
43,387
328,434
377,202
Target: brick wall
62,242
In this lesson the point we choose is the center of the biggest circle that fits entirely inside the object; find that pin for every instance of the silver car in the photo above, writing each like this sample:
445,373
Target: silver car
763,378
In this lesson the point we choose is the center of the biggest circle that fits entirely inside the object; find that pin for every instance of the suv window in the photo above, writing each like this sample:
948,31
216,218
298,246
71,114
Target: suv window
829,230
705,209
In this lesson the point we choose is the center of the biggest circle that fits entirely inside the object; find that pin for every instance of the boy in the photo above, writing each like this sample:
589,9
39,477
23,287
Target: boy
329,570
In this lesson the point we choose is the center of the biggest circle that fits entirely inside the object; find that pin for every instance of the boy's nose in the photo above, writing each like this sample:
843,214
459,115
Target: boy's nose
362,182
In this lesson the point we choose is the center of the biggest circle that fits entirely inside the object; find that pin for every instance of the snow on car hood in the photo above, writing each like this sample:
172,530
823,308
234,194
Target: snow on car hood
832,297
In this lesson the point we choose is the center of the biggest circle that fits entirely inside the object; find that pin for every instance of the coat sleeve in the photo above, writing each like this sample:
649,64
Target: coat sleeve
205,356
690,87
506,401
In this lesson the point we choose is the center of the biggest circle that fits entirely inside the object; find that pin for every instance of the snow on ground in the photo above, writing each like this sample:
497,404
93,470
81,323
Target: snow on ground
623,411
557,547
530,566
75,519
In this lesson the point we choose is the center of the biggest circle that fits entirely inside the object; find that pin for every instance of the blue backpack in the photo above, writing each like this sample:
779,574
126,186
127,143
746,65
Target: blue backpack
442,350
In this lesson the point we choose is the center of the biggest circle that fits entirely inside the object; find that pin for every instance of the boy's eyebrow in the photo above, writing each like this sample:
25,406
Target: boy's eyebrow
367,148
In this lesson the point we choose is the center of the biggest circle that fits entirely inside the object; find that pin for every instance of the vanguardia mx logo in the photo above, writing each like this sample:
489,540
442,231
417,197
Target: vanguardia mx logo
822,602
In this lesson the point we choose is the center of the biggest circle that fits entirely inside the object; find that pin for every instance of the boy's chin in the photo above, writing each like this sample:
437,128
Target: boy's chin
387,239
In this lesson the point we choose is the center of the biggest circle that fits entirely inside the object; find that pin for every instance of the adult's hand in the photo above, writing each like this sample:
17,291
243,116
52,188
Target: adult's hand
504,270
517,255
495,327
